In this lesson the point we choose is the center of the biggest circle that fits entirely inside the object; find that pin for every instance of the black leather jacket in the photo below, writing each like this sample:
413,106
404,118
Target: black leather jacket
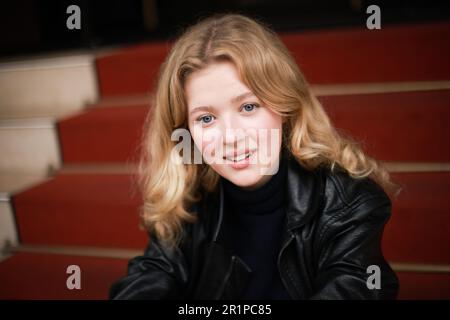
332,234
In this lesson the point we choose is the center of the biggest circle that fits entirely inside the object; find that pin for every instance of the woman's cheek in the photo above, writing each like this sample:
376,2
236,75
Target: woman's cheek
209,141
198,135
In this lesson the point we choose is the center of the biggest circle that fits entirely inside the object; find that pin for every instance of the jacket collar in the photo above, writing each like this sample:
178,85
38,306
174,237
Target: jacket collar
304,191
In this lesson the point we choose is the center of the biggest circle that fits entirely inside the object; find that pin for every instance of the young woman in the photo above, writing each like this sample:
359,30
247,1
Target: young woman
294,214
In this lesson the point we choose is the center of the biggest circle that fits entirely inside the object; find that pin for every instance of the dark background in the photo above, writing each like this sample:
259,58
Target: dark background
37,26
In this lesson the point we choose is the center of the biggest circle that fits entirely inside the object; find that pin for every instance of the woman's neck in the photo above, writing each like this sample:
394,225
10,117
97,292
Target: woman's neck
259,200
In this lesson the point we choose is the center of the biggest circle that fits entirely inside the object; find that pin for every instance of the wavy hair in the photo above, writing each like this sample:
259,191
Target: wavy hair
265,65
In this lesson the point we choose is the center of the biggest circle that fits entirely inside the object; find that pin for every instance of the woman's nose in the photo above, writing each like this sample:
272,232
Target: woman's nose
233,134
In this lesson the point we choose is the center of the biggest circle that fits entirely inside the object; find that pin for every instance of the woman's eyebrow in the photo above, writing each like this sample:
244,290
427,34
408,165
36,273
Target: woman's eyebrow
233,100
241,97
203,108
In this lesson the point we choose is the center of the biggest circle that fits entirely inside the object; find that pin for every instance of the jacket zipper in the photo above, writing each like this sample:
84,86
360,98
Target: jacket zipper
279,266
227,276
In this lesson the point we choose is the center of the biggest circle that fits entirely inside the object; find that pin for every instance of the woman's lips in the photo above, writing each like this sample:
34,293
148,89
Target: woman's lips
241,161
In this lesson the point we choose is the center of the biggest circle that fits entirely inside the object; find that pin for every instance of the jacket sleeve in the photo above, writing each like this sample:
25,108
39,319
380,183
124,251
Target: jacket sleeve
350,258
160,273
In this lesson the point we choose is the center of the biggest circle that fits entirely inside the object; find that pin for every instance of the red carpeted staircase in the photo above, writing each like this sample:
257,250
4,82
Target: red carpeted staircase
387,88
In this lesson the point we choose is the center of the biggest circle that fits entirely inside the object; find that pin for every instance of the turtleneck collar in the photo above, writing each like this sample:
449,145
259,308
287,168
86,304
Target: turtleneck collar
263,200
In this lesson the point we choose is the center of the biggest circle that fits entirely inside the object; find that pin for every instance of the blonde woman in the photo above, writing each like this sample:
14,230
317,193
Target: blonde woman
277,206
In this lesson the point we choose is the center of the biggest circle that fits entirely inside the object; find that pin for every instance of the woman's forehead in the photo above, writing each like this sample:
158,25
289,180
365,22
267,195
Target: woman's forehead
215,84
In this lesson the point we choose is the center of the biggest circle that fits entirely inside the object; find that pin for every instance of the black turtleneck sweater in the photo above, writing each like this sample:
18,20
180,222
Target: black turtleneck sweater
256,220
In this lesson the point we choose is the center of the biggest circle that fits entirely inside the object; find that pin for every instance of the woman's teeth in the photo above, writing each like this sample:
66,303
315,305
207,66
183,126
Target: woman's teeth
240,157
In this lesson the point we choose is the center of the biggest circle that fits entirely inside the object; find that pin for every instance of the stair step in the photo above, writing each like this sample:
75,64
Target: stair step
11,183
14,182
390,126
98,210
419,228
43,276
137,67
377,87
8,233
28,145
423,286
376,56
393,125
47,86
106,134
33,276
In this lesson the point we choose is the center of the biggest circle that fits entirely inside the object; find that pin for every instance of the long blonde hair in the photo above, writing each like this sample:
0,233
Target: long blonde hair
267,68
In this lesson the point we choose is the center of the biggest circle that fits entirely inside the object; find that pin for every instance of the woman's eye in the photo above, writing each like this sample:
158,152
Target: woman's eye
205,119
249,107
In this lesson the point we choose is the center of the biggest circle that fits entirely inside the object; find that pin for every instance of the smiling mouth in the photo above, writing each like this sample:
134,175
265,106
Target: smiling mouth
240,157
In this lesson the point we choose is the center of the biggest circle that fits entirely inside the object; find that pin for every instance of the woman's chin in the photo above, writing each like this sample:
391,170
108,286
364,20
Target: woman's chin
246,180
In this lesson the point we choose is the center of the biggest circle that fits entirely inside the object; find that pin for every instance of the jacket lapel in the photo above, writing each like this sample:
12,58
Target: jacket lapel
304,191
225,275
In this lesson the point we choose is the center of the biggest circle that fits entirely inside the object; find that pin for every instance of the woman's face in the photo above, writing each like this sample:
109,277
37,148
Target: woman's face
238,136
